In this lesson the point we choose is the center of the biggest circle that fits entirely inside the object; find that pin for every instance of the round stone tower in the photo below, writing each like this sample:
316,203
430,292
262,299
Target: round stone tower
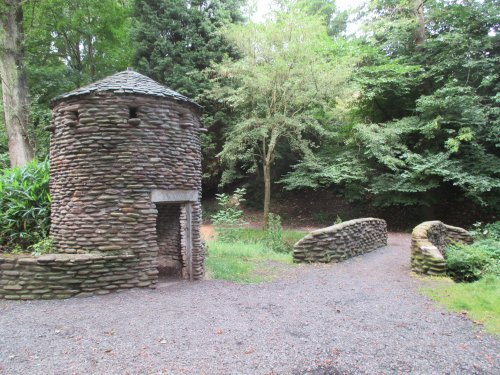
126,176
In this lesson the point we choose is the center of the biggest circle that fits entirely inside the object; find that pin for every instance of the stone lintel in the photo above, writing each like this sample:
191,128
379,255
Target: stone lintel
174,195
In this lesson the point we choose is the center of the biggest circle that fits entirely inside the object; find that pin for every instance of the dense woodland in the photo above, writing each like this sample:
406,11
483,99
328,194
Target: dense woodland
392,106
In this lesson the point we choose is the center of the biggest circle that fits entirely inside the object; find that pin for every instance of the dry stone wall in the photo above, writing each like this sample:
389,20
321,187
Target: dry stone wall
104,166
119,147
341,241
428,242
66,275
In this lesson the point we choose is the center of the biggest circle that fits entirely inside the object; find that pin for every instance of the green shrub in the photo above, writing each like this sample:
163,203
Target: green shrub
24,205
228,219
274,235
482,231
4,160
44,246
471,262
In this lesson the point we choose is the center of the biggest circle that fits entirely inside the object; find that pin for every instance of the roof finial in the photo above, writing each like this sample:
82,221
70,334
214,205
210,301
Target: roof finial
130,69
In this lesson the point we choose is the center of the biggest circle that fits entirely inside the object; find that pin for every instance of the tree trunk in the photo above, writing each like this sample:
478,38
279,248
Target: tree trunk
14,84
267,192
419,34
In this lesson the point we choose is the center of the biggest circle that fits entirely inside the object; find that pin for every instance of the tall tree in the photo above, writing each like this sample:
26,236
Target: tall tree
288,78
14,84
424,128
69,44
177,39
418,13
79,41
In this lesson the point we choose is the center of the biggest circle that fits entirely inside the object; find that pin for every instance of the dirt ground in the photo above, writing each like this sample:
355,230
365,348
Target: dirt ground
362,316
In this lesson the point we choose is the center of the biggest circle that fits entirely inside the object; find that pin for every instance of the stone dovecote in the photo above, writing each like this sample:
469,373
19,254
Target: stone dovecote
126,176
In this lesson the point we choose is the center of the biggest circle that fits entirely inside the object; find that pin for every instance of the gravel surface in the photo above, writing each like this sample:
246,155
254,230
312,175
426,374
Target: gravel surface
361,316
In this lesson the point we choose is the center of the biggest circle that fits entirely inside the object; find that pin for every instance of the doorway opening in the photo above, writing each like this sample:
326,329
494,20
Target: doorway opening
173,230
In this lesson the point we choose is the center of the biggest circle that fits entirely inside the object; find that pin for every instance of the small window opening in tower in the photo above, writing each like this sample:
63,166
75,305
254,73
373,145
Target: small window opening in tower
132,112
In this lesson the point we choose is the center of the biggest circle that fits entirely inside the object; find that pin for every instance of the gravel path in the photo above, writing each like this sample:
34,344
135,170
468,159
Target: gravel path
360,316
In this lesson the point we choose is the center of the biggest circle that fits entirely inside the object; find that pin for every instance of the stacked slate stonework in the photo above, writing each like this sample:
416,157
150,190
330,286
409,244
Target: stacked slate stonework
428,242
113,144
341,241
25,277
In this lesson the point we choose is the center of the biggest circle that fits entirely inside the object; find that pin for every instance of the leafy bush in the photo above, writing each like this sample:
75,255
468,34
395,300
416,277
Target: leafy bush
471,262
4,160
43,246
229,216
274,235
483,231
24,205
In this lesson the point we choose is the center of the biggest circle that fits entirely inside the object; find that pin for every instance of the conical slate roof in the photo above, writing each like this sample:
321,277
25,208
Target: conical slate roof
127,82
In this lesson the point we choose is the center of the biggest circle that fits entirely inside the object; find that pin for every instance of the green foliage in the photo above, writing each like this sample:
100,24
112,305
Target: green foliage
482,231
4,160
175,40
258,236
424,126
73,43
17,250
68,44
378,116
229,216
480,299
44,246
287,82
248,259
244,262
274,235
471,262
288,76
24,205
326,218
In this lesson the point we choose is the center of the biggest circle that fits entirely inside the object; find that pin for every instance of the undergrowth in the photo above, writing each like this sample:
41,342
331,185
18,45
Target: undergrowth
248,259
243,262
475,268
480,299
24,205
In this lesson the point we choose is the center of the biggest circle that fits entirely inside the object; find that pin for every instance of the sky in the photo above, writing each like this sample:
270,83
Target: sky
263,7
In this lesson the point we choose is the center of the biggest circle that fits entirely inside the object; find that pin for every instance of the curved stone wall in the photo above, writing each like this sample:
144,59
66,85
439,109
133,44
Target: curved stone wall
341,241
109,155
428,242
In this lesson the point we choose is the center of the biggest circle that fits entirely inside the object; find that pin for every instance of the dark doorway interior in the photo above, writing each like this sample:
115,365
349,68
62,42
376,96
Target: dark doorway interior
168,229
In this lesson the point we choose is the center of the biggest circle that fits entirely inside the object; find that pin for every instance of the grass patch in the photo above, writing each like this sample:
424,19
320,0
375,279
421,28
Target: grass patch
248,260
481,299
257,235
